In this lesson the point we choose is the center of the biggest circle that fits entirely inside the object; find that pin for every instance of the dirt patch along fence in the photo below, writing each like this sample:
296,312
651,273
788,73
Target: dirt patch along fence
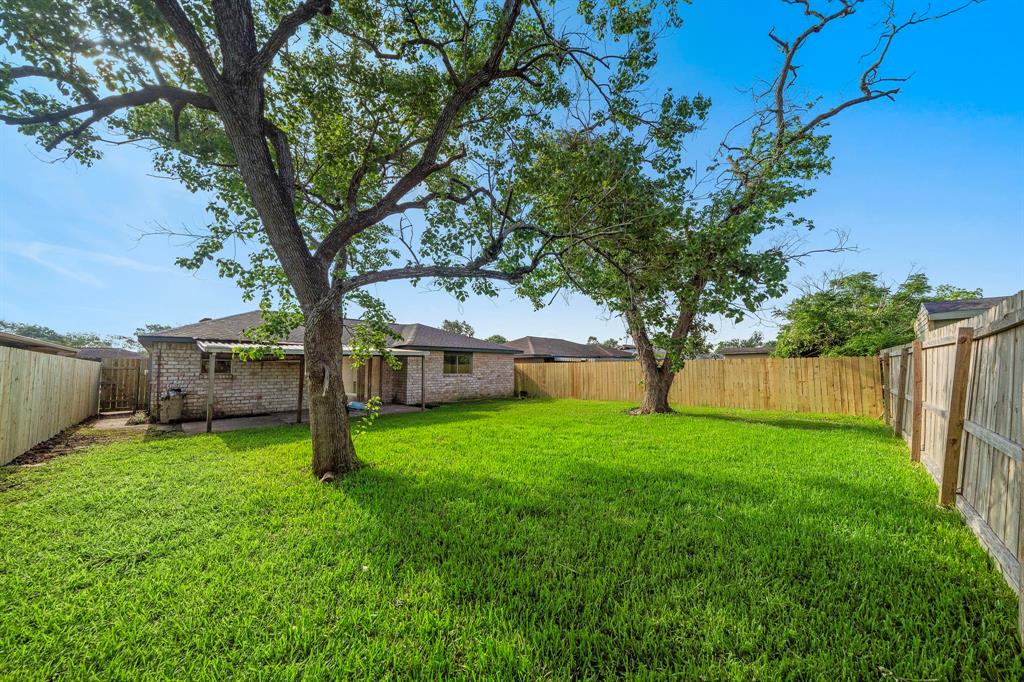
956,394
41,395
834,385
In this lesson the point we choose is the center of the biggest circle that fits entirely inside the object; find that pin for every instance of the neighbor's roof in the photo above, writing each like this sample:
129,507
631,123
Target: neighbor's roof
541,346
409,336
38,345
958,310
98,353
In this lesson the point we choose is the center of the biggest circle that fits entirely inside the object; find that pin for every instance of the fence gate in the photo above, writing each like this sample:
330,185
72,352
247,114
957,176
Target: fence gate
124,384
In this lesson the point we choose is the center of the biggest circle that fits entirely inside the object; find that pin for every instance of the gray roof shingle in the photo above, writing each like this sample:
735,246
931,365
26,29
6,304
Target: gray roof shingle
541,346
967,304
100,353
411,336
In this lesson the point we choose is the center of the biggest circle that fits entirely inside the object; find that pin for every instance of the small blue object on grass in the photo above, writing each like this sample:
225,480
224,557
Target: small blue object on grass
357,405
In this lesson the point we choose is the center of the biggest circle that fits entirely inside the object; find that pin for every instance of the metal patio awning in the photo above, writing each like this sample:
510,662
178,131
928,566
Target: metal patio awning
292,348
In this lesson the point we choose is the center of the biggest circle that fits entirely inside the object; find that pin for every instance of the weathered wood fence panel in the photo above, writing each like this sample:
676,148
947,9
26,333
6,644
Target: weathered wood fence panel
124,384
836,385
972,405
40,395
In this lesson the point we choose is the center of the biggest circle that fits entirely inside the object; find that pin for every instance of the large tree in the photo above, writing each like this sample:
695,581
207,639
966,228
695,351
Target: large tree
679,243
857,314
317,128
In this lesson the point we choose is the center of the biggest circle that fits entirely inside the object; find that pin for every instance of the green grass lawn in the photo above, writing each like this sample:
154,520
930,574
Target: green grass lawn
502,540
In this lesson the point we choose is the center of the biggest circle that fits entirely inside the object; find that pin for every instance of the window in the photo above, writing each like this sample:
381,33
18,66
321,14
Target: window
222,366
458,363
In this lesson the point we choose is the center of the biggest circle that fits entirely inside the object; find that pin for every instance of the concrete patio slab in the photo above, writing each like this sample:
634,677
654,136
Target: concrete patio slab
278,419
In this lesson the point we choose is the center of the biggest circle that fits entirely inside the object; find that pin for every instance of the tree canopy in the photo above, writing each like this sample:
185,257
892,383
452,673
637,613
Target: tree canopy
458,327
755,340
857,314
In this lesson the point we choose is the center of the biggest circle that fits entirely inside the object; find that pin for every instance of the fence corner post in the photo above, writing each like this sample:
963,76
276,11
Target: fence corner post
955,416
916,416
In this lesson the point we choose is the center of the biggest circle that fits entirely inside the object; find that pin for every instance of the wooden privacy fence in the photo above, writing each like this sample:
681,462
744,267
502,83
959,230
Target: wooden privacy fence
40,395
124,384
957,396
836,385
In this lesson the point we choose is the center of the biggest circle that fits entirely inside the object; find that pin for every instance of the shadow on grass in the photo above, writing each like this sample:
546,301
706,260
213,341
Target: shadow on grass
791,422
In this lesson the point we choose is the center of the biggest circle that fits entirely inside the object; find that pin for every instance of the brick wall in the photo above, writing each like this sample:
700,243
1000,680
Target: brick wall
255,387
272,386
493,377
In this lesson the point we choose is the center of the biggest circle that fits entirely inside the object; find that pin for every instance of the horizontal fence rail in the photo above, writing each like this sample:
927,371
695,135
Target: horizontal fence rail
957,396
834,385
41,395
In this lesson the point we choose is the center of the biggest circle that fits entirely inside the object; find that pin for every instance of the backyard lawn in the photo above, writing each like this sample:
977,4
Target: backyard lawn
527,539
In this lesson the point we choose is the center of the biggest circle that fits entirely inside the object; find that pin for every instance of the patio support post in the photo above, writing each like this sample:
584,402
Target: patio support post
211,368
423,383
302,377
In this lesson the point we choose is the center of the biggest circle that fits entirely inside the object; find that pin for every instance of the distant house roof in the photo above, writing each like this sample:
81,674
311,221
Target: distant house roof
98,353
753,350
961,309
38,345
407,336
545,347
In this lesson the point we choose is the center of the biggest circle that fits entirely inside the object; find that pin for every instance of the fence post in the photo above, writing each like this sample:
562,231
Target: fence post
917,422
901,395
955,416
883,364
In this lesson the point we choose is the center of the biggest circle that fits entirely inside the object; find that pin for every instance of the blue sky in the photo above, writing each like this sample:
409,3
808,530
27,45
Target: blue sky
932,182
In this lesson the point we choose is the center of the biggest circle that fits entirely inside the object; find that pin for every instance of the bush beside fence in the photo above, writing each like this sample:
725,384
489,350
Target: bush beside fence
834,385
41,395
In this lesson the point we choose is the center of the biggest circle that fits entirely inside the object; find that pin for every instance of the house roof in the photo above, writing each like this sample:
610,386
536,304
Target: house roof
99,353
961,309
38,345
542,346
407,336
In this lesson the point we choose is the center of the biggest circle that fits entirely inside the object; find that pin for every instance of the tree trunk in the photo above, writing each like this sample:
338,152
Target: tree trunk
333,451
658,378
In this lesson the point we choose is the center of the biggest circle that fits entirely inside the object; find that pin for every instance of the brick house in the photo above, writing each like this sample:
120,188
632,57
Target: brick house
436,366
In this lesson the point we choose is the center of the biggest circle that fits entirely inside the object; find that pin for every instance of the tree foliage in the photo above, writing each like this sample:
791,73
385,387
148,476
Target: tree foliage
458,327
496,338
77,339
607,343
755,340
341,144
857,314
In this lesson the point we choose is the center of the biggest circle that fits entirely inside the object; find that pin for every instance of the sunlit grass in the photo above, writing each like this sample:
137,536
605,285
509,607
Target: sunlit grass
501,540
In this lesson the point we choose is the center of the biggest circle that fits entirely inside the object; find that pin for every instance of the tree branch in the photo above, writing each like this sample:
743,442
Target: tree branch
101,108
289,25
28,71
427,163
190,39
